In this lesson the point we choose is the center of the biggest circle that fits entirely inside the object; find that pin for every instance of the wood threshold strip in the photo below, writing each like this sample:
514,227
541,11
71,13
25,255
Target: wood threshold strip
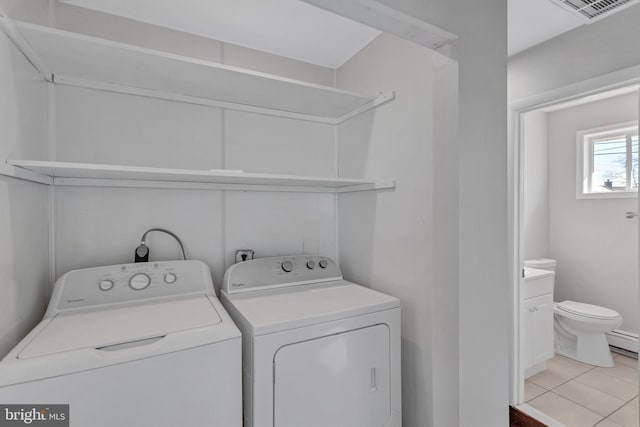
518,418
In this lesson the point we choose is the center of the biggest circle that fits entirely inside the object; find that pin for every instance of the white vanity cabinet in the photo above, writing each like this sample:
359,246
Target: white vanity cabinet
536,320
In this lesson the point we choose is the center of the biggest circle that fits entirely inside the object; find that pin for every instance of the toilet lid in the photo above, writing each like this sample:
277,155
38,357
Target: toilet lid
588,310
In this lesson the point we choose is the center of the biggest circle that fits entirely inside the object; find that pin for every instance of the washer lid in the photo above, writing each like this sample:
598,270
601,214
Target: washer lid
287,308
587,310
104,327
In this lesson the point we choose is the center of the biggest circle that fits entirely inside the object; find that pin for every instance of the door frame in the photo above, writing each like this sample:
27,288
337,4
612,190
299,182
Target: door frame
516,109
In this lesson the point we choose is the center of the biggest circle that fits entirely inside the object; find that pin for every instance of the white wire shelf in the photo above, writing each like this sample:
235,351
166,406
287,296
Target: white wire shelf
101,175
74,59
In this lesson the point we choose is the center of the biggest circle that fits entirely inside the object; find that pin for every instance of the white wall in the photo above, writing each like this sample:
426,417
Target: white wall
104,127
84,21
24,241
480,217
103,225
536,185
386,239
595,245
585,52
111,27
474,212
481,257
36,11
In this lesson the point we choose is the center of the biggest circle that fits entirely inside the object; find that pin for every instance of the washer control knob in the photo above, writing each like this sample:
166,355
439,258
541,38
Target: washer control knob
105,285
139,281
323,263
170,278
287,266
311,264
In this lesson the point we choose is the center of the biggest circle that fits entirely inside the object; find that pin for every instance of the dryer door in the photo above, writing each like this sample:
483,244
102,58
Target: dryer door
339,381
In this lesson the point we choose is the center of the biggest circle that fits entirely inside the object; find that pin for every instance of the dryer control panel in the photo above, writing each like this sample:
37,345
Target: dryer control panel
115,284
277,272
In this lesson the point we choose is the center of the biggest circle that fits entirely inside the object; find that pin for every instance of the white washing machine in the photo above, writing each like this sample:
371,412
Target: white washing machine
318,351
145,344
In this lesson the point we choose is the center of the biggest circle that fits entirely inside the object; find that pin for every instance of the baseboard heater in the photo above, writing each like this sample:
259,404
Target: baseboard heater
623,340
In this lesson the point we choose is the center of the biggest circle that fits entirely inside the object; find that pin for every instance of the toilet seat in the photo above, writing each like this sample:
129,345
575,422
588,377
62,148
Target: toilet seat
587,310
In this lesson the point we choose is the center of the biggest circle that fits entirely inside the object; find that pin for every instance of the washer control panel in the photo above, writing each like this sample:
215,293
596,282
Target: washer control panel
264,273
139,281
130,282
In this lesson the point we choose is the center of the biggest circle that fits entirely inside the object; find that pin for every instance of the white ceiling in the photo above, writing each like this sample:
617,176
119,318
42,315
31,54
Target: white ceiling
298,30
532,22
289,28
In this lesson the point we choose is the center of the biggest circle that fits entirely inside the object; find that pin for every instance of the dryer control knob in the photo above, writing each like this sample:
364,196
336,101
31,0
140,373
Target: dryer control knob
311,264
139,281
170,278
323,263
105,285
287,266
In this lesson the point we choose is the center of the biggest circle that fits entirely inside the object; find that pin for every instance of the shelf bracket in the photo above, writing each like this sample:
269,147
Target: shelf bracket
388,184
23,45
380,100
7,169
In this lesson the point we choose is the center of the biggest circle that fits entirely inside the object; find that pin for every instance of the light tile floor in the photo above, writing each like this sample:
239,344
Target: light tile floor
581,395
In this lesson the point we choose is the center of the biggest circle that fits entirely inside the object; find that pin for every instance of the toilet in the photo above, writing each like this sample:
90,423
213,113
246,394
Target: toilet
580,328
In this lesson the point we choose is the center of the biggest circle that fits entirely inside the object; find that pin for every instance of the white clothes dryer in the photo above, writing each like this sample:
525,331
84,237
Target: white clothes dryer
144,344
318,350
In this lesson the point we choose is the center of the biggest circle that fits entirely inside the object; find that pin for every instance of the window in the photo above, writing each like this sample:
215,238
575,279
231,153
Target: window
608,162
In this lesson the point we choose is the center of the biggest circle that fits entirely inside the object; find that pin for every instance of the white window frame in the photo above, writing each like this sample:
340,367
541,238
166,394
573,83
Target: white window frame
584,162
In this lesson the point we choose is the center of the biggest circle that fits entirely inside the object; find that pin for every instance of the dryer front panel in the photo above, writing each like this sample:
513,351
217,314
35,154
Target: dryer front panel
340,380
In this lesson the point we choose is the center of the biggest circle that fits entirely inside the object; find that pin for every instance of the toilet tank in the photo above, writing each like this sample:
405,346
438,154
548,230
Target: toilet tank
541,263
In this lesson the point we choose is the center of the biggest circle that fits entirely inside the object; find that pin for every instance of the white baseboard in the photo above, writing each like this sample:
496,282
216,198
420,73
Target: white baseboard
535,369
623,339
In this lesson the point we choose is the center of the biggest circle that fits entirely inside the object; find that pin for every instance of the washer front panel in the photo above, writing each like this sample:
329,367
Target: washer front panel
339,381
262,383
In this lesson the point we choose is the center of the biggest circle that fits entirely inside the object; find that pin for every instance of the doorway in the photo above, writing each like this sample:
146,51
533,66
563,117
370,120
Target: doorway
538,193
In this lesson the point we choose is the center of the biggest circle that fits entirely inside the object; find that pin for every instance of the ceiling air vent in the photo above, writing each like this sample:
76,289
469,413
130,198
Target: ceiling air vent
592,10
